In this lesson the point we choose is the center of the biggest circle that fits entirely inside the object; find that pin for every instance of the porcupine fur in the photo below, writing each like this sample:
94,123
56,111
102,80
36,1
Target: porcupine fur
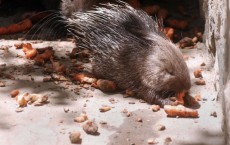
129,49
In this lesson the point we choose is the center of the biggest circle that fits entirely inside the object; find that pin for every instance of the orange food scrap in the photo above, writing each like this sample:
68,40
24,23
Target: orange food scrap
58,67
181,111
46,55
105,85
200,82
155,108
14,93
29,51
129,93
75,137
104,108
202,64
15,28
90,127
198,97
180,98
84,78
169,32
38,60
82,118
18,45
37,99
198,73
21,100
194,39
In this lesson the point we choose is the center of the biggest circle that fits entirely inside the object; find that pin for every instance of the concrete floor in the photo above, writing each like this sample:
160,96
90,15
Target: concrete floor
50,124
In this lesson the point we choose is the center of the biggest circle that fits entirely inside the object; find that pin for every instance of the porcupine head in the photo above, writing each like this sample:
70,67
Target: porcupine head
143,59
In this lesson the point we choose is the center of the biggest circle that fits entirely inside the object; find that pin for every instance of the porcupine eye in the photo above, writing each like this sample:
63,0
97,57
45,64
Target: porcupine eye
170,72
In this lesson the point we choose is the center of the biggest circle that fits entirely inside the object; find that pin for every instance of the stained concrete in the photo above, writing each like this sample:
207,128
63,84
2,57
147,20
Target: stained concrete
50,124
217,39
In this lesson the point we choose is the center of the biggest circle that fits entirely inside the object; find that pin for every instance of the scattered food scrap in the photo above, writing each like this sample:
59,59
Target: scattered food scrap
155,108
16,28
180,98
2,84
180,111
22,102
167,141
104,108
195,40
18,45
198,73
103,122
198,98
105,85
58,67
14,93
90,127
82,118
200,82
66,110
202,64
44,56
75,137
139,119
19,109
152,141
35,99
112,100
131,102
161,127
29,51
47,79
186,42
169,32
214,114
127,113
129,93
84,78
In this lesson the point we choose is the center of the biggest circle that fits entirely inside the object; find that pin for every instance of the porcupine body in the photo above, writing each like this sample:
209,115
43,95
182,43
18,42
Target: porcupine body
130,50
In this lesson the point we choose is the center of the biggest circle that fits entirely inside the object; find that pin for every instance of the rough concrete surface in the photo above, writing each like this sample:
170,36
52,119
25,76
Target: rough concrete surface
216,36
217,40
50,124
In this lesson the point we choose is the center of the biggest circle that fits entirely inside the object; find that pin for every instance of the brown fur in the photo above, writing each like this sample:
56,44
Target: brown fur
131,51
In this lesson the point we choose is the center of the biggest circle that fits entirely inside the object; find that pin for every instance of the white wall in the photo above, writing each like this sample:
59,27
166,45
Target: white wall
217,40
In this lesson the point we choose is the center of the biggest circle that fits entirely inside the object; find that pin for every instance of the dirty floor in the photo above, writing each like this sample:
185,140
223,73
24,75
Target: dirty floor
51,123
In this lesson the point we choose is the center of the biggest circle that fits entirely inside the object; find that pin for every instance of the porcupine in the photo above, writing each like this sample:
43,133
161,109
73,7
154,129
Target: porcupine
129,49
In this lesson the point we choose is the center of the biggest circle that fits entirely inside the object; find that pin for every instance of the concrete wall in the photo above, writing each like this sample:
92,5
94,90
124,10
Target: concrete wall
217,40
216,35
